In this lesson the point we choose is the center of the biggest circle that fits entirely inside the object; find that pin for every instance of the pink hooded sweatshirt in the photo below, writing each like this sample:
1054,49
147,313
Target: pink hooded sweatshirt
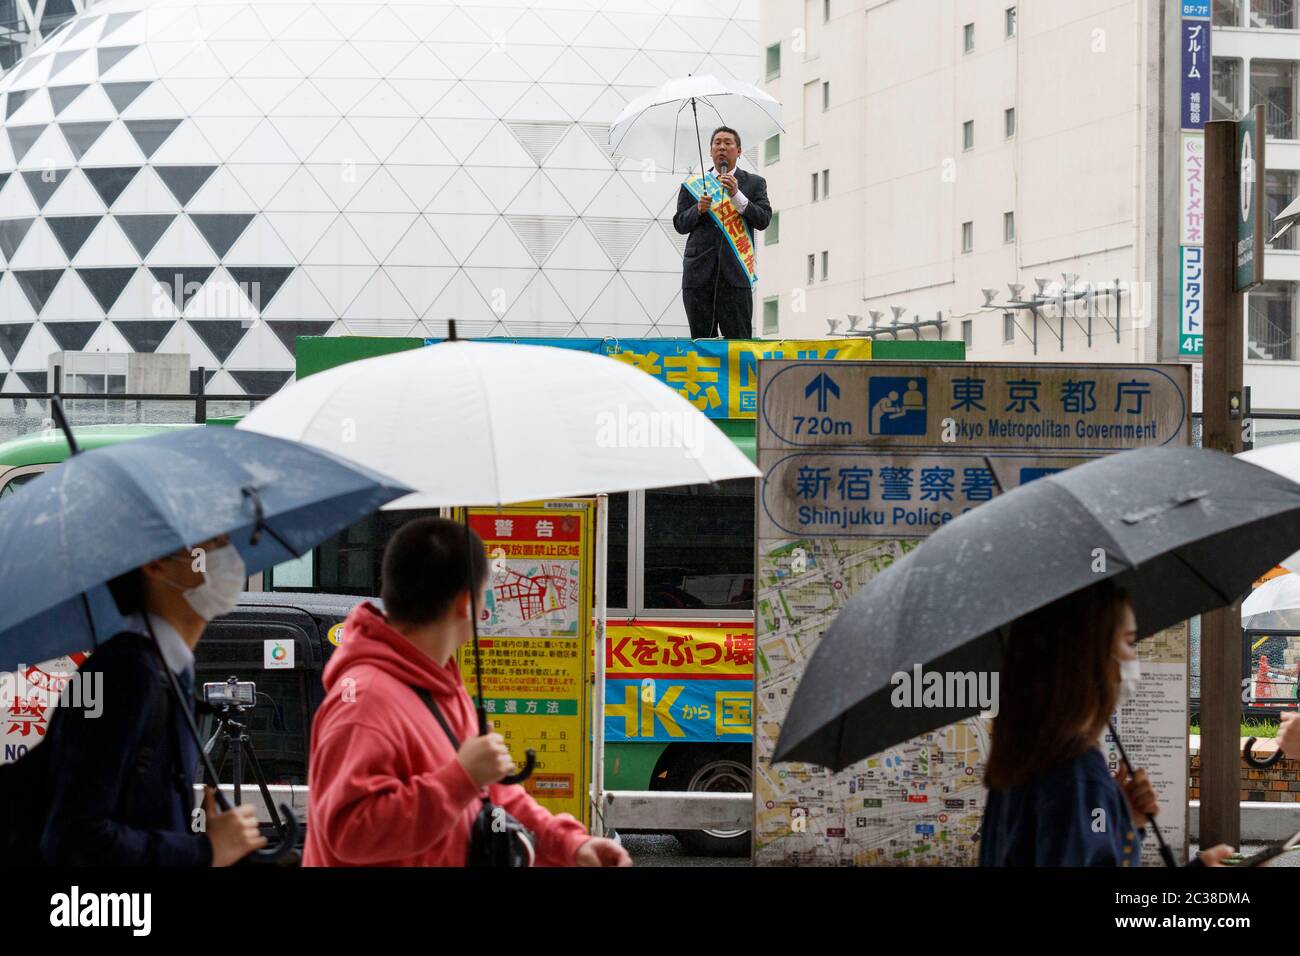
386,788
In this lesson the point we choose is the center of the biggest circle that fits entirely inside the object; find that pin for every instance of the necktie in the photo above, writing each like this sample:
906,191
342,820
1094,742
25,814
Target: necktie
189,749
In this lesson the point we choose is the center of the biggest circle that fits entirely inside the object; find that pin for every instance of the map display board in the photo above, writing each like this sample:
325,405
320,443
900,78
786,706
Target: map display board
860,462
535,635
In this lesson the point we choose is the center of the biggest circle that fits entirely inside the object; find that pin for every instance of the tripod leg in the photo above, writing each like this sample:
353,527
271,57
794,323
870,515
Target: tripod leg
260,777
219,758
238,767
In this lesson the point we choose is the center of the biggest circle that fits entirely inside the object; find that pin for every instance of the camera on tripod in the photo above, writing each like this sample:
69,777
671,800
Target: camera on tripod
231,693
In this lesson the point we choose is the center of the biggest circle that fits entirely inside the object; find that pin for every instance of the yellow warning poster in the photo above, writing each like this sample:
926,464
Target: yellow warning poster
535,635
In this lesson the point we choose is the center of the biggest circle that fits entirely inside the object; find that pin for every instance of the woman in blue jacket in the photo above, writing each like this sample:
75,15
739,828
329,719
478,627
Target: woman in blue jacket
1052,800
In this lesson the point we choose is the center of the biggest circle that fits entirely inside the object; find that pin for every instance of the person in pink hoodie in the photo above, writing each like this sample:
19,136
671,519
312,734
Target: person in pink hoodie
387,788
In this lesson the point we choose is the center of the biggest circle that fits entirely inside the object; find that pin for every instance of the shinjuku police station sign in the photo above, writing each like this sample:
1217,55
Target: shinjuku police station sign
877,449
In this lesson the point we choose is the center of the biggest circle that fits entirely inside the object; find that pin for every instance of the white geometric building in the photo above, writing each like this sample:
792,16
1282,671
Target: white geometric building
217,178
25,23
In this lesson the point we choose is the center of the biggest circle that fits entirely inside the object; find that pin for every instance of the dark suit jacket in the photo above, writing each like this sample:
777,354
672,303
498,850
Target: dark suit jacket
109,807
700,264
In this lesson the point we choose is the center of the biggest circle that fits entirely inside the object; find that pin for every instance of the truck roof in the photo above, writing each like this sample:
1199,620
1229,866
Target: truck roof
311,602
49,447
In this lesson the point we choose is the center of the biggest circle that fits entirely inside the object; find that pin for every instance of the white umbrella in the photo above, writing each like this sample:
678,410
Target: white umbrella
667,126
1287,218
1283,459
491,423
1281,593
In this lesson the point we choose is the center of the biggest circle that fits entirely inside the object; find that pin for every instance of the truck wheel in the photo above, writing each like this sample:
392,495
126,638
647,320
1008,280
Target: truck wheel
721,770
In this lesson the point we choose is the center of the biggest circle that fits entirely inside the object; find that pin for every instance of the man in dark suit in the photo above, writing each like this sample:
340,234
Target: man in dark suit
715,288
121,780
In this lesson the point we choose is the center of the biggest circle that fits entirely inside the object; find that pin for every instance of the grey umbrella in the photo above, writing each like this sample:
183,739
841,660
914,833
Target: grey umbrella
1182,529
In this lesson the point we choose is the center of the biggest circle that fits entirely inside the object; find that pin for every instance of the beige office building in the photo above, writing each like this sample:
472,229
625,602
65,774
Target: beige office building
957,164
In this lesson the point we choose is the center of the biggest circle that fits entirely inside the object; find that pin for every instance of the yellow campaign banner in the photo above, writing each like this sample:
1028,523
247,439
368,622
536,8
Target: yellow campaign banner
717,376
534,635
742,365
679,680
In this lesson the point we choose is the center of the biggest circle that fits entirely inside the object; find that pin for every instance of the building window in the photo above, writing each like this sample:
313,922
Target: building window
1227,13
967,332
774,61
814,187
1011,21
967,236
772,150
968,134
772,235
1008,227
812,268
771,315
1273,83
826,96
1272,14
699,547
1281,186
1271,322
1008,327
1009,121
968,38
1225,88
826,264
826,183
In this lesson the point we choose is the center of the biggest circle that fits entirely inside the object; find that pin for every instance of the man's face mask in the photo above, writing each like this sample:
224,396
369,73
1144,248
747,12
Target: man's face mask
223,580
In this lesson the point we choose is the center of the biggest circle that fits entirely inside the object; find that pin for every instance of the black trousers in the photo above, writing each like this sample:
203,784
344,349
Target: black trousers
733,309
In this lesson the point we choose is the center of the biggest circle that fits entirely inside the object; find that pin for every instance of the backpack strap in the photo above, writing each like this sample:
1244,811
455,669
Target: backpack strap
432,704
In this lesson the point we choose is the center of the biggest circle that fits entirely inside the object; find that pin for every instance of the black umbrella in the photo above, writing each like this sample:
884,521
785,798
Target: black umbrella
1184,530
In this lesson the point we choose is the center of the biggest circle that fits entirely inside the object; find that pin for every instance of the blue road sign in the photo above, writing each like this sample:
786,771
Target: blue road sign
822,386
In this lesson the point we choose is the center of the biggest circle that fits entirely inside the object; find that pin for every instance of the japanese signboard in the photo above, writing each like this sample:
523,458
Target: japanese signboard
535,638
675,680
861,461
1195,73
1249,268
959,407
1191,293
1191,329
1192,154
27,701
717,376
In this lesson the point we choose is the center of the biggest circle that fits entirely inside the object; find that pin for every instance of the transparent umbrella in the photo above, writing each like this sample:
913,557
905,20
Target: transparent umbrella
667,126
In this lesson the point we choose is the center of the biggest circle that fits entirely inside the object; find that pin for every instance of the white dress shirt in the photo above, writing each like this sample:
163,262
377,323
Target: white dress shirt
740,199
177,654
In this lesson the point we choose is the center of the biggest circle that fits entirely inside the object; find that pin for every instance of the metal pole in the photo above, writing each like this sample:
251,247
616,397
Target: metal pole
1221,629
598,692
201,403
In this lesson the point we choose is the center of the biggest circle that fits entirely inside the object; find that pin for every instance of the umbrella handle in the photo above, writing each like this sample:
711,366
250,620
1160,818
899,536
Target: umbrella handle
530,762
288,841
1259,763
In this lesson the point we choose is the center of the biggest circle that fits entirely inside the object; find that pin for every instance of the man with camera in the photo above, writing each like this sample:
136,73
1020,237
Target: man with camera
398,767
121,782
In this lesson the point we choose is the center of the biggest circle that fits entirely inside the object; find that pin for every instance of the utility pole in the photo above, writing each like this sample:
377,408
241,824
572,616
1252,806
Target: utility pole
1234,166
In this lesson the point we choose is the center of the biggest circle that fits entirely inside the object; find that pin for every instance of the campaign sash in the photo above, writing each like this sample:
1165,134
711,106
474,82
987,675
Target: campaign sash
730,221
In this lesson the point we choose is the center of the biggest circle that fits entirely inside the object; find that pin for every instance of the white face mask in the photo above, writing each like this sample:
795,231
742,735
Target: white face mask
1130,676
223,580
